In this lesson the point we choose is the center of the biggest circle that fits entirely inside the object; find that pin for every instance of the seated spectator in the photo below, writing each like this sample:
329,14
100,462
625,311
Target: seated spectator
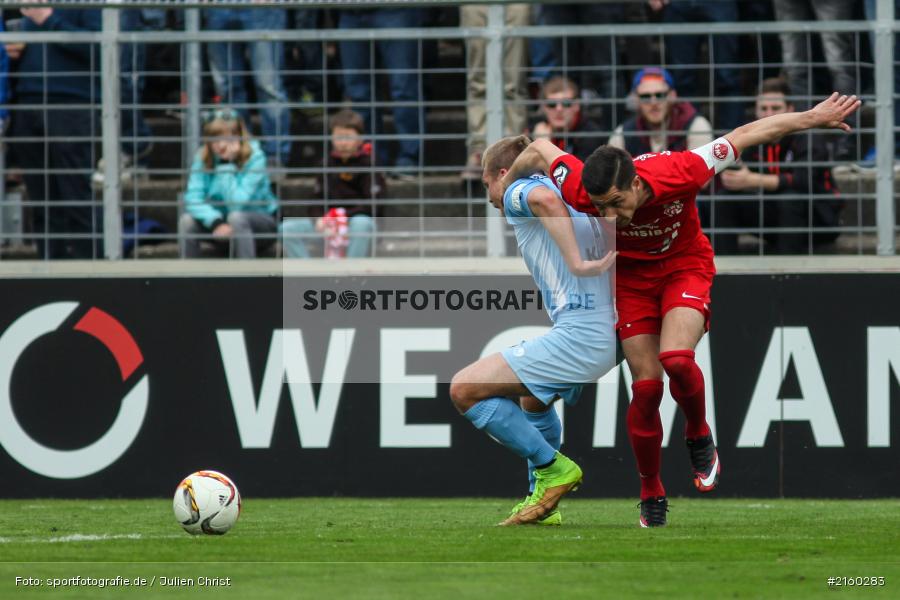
591,61
348,187
564,122
229,194
774,177
662,122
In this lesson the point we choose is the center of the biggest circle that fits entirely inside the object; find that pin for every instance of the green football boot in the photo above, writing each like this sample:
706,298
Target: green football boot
552,518
551,484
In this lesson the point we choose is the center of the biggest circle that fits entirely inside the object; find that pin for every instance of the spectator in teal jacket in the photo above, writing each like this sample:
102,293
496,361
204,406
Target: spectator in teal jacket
229,196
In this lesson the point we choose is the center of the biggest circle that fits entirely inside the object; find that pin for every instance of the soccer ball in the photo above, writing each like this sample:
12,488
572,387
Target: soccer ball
207,502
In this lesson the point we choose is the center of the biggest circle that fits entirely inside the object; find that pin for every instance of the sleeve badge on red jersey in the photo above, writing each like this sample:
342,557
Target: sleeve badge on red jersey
673,208
720,151
559,175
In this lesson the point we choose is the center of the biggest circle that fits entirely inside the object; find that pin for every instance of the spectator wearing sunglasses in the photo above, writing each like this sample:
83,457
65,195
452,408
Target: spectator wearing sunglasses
662,122
229,195
564,122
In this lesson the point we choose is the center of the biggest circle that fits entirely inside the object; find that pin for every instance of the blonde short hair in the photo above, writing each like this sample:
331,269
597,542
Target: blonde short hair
502,154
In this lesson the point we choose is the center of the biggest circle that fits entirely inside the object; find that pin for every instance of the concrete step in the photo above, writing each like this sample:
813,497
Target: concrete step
857,186
425,196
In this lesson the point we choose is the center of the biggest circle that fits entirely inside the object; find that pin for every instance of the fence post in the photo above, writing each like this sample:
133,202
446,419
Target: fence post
193,89
493,76
884,126
109,117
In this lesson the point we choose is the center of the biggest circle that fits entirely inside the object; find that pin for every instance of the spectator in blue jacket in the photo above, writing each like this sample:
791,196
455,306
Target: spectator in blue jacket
57,78
229,194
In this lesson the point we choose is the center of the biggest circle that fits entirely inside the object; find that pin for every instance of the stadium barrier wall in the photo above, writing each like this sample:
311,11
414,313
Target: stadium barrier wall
118,383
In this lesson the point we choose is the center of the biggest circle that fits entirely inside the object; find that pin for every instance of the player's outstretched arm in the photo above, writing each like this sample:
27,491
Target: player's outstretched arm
536,158
555,218
828,114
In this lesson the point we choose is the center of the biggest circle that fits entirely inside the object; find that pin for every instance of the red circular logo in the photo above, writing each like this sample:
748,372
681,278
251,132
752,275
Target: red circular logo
720,151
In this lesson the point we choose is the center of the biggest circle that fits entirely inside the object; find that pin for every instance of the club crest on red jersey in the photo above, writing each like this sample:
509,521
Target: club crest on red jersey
720,151
673,209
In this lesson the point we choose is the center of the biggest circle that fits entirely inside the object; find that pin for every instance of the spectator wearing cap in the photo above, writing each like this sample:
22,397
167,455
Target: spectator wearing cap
662,122
563,120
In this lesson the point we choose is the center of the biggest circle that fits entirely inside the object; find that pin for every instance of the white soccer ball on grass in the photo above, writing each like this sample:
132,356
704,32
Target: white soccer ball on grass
207,502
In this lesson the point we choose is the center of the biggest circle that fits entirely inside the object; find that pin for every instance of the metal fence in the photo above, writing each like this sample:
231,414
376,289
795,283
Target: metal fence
172,80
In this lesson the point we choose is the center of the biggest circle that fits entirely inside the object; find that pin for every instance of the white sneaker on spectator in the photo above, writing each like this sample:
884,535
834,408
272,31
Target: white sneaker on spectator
127,170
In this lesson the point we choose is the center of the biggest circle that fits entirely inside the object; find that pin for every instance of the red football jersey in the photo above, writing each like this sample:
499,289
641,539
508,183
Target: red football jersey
668,223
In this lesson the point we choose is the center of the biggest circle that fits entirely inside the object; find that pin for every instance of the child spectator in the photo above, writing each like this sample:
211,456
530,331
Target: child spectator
229,194
348,187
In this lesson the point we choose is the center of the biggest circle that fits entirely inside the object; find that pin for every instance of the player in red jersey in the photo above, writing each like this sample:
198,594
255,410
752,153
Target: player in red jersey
665,271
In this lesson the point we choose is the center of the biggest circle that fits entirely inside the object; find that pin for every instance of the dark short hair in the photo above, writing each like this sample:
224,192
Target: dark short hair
348,119
502,154
607,166
558,84
775,85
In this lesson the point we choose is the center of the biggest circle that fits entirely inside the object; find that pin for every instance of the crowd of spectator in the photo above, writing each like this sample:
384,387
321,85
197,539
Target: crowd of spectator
643,95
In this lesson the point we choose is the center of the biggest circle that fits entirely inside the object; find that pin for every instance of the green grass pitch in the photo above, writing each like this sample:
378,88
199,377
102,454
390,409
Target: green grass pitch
448,548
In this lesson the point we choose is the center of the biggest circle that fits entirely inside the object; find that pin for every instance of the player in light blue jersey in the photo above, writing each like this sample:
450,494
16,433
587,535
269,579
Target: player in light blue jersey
509,394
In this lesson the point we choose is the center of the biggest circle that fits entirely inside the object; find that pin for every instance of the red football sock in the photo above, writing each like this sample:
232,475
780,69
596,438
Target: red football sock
645,432
688,389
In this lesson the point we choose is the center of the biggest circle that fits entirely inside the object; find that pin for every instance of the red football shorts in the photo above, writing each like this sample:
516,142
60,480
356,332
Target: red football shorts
646,291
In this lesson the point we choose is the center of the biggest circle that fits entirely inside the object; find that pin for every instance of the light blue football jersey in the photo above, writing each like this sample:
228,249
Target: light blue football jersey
565,295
